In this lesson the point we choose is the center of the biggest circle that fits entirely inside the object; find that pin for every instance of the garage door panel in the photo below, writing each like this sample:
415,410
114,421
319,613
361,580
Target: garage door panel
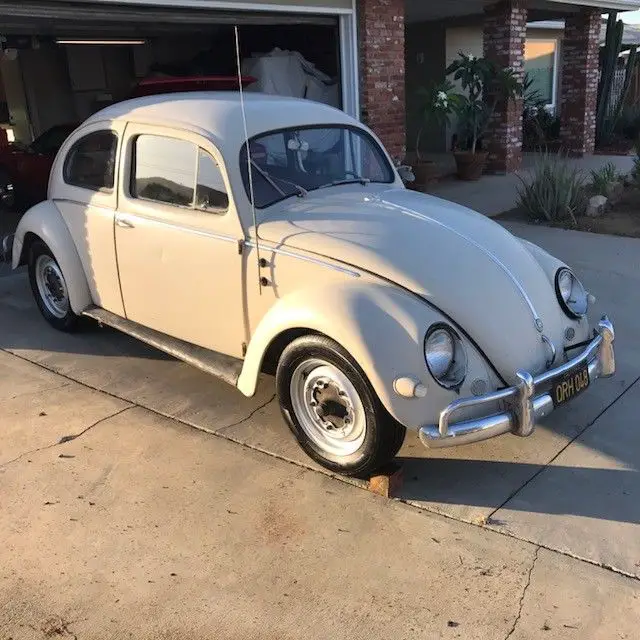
53,17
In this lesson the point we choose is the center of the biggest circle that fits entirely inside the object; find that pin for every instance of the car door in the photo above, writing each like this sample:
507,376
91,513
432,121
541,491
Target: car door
177,235
84,191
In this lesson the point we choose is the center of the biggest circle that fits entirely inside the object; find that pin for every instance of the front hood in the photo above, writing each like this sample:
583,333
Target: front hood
460,261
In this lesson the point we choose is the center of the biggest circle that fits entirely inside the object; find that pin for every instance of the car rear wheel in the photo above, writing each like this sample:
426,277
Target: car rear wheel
332,409
50,288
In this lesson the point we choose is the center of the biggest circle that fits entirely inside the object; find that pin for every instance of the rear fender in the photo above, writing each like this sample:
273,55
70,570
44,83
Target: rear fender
44,221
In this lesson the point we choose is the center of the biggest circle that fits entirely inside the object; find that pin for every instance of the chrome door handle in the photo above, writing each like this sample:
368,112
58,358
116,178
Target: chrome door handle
125,223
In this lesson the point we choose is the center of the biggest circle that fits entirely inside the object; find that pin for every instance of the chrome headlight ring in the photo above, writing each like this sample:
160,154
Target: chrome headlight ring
572,295
445,356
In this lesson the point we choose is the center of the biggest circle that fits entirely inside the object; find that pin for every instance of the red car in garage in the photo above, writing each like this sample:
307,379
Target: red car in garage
24,170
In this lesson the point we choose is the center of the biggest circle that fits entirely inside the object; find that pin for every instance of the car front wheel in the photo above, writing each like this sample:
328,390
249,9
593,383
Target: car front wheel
50,288
332,409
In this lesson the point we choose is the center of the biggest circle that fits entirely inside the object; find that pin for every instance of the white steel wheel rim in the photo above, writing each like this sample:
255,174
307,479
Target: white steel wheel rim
328,407
51,286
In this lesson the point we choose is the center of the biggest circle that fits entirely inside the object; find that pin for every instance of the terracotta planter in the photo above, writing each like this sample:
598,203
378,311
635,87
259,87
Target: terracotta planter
426,172
470,165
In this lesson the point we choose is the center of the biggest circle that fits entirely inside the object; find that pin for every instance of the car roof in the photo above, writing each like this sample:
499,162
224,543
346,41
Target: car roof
219,113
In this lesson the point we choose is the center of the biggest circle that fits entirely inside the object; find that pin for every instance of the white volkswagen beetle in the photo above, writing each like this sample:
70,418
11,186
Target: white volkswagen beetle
381,309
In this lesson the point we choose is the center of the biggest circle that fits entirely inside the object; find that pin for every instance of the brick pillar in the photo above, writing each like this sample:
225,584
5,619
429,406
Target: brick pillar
505,32
579,91
382,94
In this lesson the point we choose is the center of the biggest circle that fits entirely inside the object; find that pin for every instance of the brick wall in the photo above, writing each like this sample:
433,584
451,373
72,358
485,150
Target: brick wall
505,30
382,62
579,91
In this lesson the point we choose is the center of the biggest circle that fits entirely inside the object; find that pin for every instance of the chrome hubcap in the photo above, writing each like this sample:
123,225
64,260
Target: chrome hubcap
328,407
51,286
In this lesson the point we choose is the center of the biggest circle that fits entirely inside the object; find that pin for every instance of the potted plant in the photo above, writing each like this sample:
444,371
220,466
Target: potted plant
485,85
437,103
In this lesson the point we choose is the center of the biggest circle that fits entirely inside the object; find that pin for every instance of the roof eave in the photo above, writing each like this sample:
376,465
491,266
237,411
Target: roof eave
617,5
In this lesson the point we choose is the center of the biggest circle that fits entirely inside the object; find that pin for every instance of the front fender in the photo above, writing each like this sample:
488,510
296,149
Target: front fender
550,264
45,221
383,329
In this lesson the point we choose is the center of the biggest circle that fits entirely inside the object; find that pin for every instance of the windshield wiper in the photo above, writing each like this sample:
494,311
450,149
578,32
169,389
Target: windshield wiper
336,183
300,191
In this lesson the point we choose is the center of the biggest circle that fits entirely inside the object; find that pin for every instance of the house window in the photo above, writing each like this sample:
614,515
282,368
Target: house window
541,64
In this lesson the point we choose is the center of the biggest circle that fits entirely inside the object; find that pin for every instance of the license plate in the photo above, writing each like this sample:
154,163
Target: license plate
570,385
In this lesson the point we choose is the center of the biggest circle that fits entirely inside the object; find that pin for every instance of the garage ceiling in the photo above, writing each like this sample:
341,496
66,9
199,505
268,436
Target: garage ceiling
62,18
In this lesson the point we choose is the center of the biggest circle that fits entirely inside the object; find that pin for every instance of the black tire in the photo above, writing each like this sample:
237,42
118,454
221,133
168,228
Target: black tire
67,323
383,435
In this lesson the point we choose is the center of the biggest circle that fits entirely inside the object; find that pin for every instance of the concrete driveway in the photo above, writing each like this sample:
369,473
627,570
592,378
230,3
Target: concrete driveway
251,537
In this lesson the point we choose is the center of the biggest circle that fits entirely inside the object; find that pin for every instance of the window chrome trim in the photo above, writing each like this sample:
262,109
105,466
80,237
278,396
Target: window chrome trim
299,256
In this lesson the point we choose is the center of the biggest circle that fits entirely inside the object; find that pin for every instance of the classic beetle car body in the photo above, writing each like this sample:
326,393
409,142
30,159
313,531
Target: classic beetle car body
382,308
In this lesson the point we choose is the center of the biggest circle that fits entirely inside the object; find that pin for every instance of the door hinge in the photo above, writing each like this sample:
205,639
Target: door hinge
244,349
240,247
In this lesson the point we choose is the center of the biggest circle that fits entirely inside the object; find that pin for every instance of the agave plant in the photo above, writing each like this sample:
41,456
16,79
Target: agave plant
555,190
603,178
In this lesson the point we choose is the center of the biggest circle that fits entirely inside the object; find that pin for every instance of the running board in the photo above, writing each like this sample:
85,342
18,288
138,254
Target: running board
216,364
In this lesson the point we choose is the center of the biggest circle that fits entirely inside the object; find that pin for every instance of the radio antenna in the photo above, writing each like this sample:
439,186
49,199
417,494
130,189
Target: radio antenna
249,167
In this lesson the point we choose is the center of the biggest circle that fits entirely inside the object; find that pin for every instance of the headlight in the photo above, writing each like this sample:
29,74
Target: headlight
445,356
572,296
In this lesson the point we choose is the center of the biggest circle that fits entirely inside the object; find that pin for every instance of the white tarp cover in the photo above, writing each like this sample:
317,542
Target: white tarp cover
288,73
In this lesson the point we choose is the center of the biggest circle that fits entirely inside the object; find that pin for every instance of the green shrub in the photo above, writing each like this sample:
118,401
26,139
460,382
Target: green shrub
555,191
603,178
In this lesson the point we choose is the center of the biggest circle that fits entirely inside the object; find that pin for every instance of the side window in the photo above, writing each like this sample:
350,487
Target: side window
164,170
211,193
91,162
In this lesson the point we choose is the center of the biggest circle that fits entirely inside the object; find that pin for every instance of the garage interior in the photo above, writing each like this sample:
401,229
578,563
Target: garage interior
62,62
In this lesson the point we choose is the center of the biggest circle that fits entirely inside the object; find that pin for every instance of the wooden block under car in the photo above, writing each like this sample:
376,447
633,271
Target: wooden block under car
387,482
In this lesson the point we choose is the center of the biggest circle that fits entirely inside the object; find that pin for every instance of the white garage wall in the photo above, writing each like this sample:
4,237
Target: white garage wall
16,99
47,87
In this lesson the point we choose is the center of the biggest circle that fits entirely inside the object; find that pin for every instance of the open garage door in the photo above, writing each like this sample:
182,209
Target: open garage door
64,60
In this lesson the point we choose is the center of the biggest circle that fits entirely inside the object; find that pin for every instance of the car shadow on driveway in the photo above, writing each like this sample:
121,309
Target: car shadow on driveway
598,493
23,328
454,484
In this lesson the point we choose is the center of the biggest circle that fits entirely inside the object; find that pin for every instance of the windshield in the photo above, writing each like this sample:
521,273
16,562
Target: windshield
292,162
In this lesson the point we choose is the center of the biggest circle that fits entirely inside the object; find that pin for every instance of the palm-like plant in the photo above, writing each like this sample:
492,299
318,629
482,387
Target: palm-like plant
438,102
485,85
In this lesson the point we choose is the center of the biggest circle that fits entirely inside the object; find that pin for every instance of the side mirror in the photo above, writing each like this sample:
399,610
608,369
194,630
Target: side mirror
406,173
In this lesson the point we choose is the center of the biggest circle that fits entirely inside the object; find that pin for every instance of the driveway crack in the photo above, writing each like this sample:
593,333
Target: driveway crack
524,593
246,418
64,439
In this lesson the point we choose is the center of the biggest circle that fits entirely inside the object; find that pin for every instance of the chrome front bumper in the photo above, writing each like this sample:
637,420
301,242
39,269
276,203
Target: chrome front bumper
527,402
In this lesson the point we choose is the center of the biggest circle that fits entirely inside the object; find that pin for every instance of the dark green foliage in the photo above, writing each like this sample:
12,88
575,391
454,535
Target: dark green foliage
606,124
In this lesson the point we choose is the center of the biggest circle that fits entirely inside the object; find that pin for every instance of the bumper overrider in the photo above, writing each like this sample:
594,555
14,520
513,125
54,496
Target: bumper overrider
530,400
